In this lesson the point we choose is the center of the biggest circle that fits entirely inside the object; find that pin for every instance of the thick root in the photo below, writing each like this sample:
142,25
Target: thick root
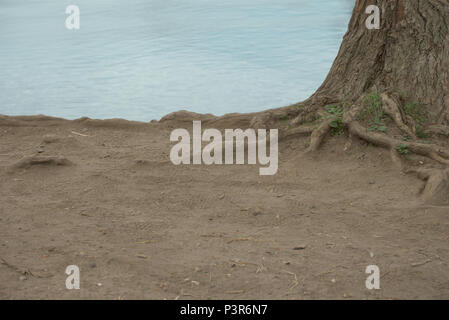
298,131
439,129
434,152
318,135
396,158
436,189
392,109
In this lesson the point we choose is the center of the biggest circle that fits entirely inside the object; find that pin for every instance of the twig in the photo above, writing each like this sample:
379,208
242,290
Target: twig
80,134
295,282
235,292
417,264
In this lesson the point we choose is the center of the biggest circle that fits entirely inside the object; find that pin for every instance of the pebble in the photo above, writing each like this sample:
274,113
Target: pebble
256,211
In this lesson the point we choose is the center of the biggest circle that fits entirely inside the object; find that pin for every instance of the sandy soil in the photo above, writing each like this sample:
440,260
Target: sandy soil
140,227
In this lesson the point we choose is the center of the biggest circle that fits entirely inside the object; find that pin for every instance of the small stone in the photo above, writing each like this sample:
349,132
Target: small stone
141,256
256,211
22,278
300,247
221,196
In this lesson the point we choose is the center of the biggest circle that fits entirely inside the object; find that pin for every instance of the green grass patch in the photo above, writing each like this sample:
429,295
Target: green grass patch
337,126
416,111
372,112
403,149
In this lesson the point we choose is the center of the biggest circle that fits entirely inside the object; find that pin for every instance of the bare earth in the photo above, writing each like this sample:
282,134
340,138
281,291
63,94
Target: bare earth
139,227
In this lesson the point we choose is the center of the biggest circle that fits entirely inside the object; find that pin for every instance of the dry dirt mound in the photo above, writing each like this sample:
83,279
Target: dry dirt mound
36,160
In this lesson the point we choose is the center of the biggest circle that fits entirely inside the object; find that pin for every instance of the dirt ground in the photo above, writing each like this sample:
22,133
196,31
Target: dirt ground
140,227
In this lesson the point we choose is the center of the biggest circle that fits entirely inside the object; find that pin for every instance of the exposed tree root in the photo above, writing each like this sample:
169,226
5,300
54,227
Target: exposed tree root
392,109
298,131
432,151
436,189
396,158
318,134
439,129
29,161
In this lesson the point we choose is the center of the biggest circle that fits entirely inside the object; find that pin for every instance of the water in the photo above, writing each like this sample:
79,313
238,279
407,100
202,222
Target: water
142,59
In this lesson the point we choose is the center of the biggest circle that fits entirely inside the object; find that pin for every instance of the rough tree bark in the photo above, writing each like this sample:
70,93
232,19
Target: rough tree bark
408,56
409,53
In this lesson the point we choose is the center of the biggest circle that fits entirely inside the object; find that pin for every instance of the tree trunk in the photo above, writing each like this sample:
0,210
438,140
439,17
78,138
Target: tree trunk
400,70
408,55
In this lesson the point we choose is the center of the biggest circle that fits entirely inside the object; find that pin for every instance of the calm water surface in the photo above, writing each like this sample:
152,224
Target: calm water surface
141,59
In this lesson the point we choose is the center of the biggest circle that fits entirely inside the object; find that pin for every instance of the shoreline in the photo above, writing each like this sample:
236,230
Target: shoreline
181,115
